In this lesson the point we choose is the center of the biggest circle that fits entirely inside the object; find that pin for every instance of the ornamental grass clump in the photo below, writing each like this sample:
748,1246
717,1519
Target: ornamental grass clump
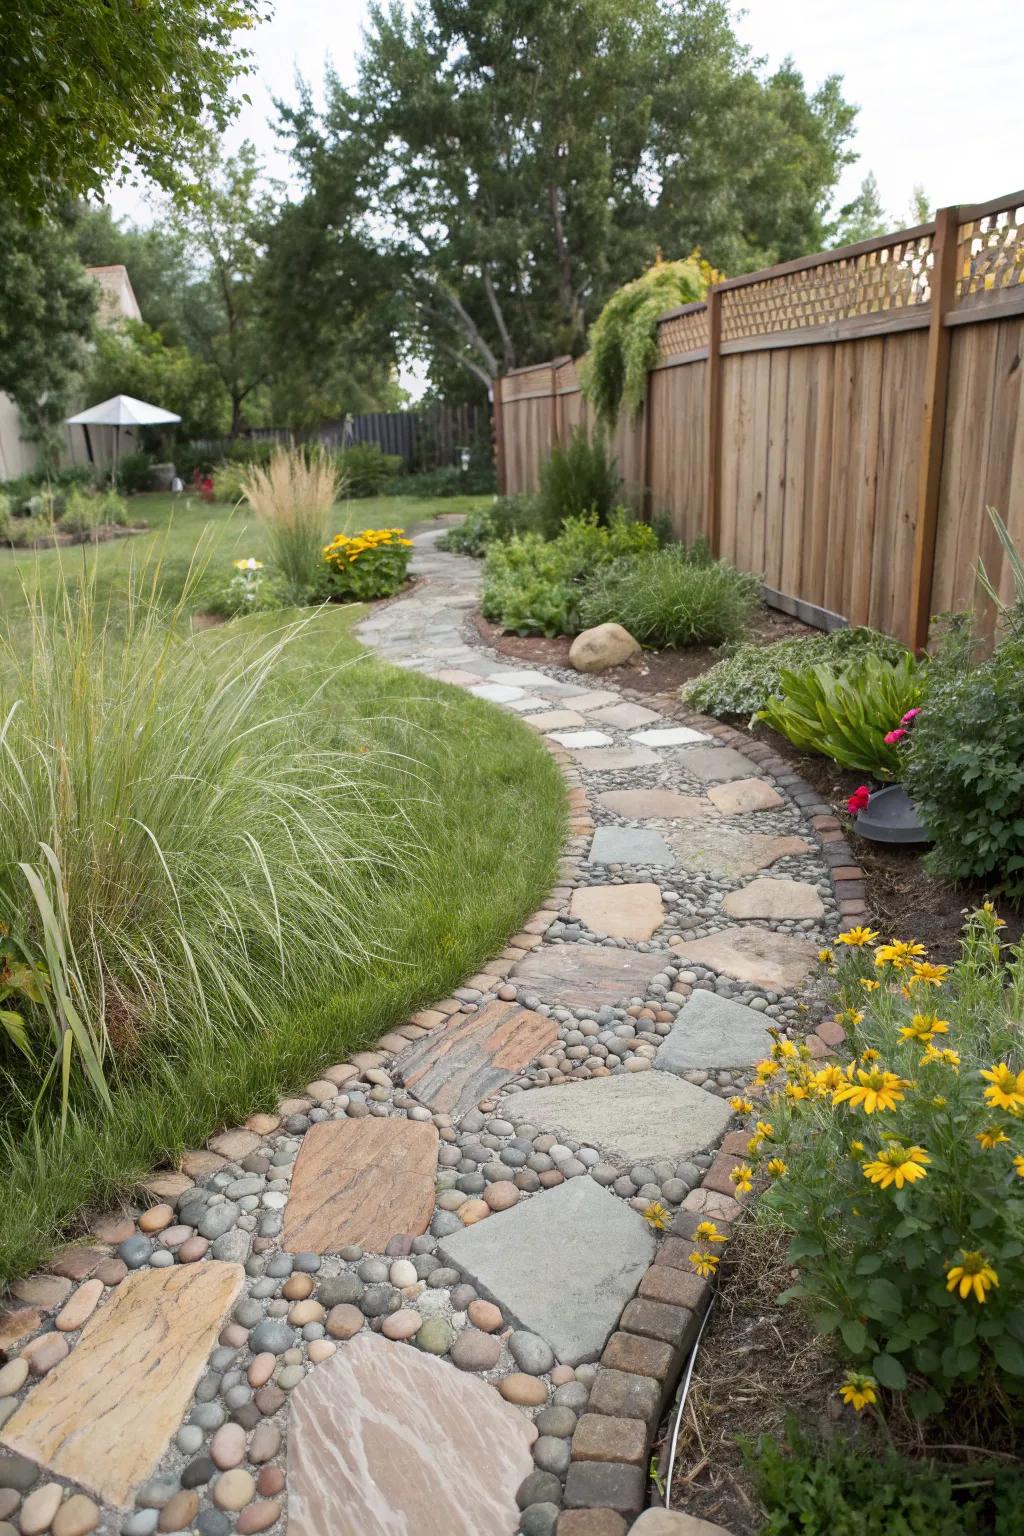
900,1172
293,495
358,567
672,599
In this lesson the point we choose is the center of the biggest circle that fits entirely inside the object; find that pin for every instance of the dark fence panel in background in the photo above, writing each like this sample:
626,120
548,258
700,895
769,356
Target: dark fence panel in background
427,439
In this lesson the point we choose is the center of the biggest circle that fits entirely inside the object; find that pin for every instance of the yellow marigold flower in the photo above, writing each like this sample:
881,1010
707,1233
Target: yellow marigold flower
795,1092
765,1070
898,954
829,1079
754,1145
857,937
743,1178
825,956
991,1136
776,1167
990,910
869,983
897,1165
849,1018
973,1276
704,1263
858,1391
948,1057
923,1026
931,975
856,1147
1007,1087
785,1050
873,1090
707,1232
656,1216
740,1105
1018,1167
870,1054
764,1129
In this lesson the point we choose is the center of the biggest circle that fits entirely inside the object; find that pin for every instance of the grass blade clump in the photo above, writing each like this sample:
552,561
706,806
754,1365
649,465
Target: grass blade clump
671,598
293,495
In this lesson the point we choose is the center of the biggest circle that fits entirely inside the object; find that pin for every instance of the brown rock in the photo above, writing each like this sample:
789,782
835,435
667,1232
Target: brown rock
200,1164
173,1237
258,1517
227,1448
344,1321
115,1227
269,1399
298,1287
586,975
234,1145
642,1357
710,1203
343,1073
304,1312
717,763
525,1391
455,1068
619,911
659,1320
360,1181
263,1125
613,759
42,1354
234,1490
670,1522
76,1517
501,1195
590,1522
39,1508
475,1351
606,1485
265,1443
322,1090
472,1212
599,1437
179,1511
17,1324
485,1316
77,1263
76,1312
555,720
656,804
721,849
44,1291
404,1324
192,1250
270,1481
261,1368
745,795
111,1271
156,1218
169,1186
604,646
625,1395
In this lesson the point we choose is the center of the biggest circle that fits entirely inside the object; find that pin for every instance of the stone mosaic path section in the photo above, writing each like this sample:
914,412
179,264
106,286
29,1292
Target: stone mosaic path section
419,1295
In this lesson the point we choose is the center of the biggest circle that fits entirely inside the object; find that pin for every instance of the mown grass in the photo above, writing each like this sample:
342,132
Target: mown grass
474,812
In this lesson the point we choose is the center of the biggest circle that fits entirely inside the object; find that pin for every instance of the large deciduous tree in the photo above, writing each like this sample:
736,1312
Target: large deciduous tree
511,162
91,88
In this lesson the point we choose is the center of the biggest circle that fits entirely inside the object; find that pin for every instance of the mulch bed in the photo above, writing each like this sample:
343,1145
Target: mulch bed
101,535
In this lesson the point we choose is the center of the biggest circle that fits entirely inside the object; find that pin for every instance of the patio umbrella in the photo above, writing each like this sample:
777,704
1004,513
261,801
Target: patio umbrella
120,411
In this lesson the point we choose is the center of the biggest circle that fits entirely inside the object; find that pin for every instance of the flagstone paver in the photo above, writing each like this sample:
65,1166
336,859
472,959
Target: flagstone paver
360,1181
454,1068
669,736
619,911
625,717
744,795
496,693
713,1031
778,900
775,961
613,759
631,1118
102,1418
585,975
581,738
721,849
715,764
656,804
562,1267
555,720
387,1439
630,845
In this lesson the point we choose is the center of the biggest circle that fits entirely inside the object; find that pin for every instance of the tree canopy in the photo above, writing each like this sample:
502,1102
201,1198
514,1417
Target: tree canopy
90,88
508,164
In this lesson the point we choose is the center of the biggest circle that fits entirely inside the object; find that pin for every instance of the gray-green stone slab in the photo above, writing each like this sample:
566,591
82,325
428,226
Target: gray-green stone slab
631,845
562,1265
632,1117
711,1031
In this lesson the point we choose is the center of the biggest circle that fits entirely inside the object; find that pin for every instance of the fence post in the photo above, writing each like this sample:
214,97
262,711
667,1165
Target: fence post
556,410
713,424
647,503
498,417
933,424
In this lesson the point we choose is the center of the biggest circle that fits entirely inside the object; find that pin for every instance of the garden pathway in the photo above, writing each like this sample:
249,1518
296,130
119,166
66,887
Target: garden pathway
232,1355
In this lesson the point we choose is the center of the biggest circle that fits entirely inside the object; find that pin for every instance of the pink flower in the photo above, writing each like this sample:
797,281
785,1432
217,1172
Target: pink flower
858,801
892,737
910,716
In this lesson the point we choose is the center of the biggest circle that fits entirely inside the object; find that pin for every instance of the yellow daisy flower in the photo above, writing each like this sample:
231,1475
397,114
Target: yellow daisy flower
743,1177
858,1391
1018,1167
740,1105
973,1276
873,1090
828,1079
857,937
898,954
870,1055
992,1136
764,1129
765,1070
707,1232
931,975
704,1263
897,1165
1007,1087
776,1167
825,956
656,1216
849,1018
923,1026
948,1057
869,984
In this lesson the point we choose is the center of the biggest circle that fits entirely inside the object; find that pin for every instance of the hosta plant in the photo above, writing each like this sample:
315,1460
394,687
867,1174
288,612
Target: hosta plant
847,716
899,1171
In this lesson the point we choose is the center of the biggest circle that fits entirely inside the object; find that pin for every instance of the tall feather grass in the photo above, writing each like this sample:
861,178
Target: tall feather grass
293,495
179,845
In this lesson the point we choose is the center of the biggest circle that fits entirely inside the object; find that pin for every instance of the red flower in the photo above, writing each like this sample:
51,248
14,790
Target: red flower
892,737
858,801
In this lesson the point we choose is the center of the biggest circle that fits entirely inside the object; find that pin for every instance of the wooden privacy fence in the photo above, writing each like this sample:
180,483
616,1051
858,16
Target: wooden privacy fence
836,424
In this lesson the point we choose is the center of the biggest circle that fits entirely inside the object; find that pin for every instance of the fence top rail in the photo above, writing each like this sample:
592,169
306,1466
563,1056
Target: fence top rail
827,258
552,362
968,211
684,309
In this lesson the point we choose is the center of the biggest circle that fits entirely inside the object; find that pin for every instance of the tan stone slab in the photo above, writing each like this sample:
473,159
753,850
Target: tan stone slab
608,759
555,720
619,911
201,1164
455,1068
167,1186
234,1144
723,850
656,804
774,900
625,716
103,1417
744,795
716,763
592,698
385,1438
360,1181
774,961
586,975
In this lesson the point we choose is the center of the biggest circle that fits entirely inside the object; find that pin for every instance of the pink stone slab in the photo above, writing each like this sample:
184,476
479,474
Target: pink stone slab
454,1068
586,975
656,804
385,1440
360,1181
773,961
619,911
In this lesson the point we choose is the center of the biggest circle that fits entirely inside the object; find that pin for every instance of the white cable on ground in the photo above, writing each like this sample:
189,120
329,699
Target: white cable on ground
684,1393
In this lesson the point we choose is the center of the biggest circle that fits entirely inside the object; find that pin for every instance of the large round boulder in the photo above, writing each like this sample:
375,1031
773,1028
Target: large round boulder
607,645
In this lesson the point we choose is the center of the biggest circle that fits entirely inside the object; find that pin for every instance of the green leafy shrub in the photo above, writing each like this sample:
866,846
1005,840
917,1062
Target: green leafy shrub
846,715
24,532
5,517
578,477
363,566
450,480
671,599
901,1176
366,468
205,456
532,586
828,1488
229,482
248,589
83,513
747,677
135,472
623,341
496,523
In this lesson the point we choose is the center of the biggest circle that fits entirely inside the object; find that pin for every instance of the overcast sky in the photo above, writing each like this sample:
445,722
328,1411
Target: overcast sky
938,86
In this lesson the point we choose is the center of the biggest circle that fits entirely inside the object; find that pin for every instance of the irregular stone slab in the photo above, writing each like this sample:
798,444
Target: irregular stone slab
496,693
384,1438
585,975
631,1117
625,716
669,736
581,738
589,699
711,763
103,1417
712,1031
630,845
619,911
525,680
775,900
744,795
612,759
360,1181
562,1265
454,1068
724,850
774,961
656,804
555,720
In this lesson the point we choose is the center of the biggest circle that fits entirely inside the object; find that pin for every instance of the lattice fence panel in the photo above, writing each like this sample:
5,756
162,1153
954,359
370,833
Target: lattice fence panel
683,333
990,257
897,276
566,376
